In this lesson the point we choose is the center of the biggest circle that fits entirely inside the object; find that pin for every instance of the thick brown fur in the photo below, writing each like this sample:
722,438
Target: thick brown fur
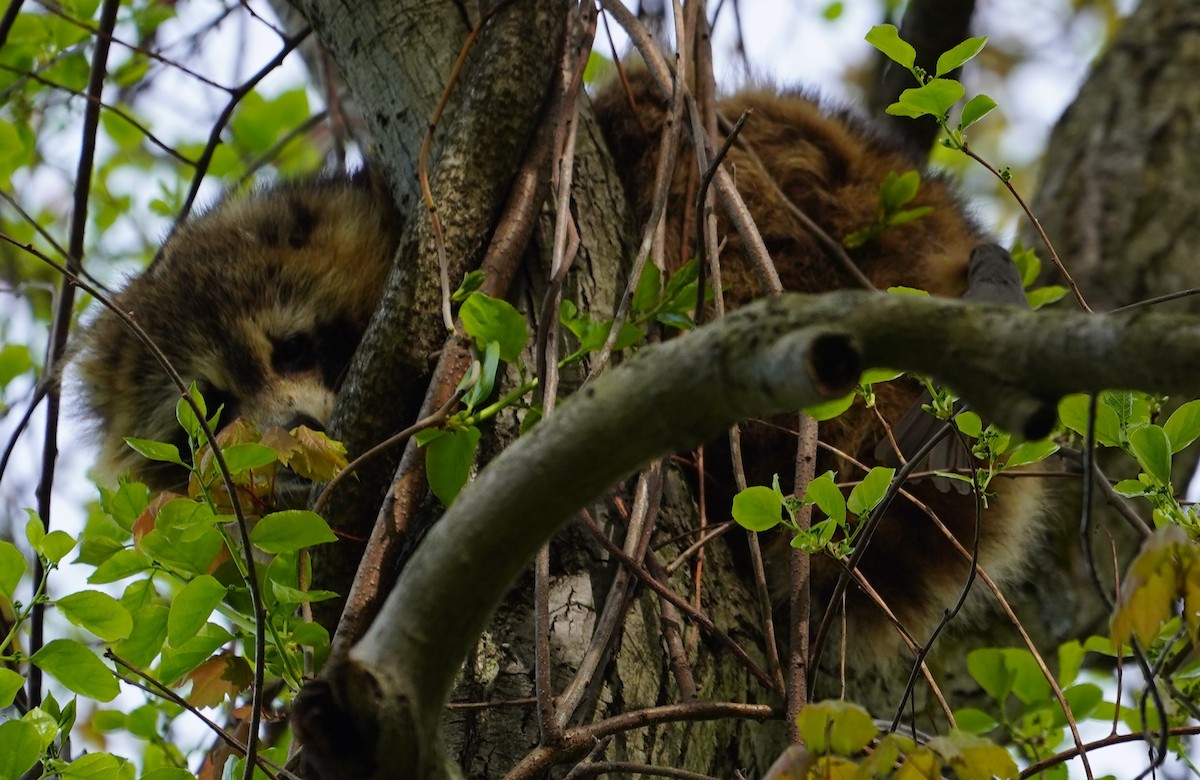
831,167
261,301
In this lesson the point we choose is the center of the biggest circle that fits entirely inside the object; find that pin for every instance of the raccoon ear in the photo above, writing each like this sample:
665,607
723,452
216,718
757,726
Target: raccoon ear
371,176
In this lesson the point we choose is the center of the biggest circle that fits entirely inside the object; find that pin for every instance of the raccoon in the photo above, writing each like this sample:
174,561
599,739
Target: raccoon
831,165
261,301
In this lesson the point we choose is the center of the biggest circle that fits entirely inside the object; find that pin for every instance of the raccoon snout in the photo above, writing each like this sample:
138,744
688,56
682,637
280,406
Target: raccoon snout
307,420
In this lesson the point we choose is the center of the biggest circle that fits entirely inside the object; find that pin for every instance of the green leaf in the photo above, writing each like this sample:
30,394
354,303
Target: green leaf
877,375
448,462
192,607
1183,426
758,508
932,99
830,409
156,450
169,773
976,108
898,189
868,493
77,668
969,423
126,503
20,748
471,282
147,638
486,380
95,766
988,668
121,564
195,557
824,492
97,612
289,530
974,721
10,683
15,360
1152,449
187,417
1044,296
247,456
12,569
649,288
490,319
903,217
1031,452
836,727
959,55
55,545
1083,698
1132,488
178,661
1073,411
886,38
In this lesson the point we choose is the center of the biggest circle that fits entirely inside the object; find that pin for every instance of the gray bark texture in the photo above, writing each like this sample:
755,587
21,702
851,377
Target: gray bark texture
1119,201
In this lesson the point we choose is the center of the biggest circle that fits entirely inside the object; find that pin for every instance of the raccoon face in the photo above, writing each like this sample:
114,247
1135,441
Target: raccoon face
261,302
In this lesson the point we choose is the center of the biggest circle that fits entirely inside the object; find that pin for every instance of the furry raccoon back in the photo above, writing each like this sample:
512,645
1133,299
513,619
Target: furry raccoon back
831,166
261,300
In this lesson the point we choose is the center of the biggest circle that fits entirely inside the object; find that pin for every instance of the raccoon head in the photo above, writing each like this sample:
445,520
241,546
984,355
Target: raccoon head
261,301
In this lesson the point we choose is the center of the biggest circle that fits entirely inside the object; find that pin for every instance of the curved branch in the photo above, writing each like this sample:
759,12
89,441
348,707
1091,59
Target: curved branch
769,357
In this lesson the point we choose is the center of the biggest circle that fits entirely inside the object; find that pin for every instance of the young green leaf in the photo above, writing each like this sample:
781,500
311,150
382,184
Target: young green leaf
470,283
156,450
1031,452
248,455
1183,426
1153,452
97,612
932,99
989,669
55,545
898,189
758,508
289,530
649,288
10,683
824,492
12,568
97,766
147,638
448,462
886,38
959,55
969,423
830,409
178,661
192,607
868,493
836,727
77,668
976,108
19,748
490,319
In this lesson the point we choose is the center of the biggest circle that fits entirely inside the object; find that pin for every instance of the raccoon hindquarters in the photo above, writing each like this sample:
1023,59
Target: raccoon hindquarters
831,167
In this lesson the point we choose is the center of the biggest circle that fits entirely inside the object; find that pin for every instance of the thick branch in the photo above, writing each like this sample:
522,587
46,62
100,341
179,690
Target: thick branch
764,359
